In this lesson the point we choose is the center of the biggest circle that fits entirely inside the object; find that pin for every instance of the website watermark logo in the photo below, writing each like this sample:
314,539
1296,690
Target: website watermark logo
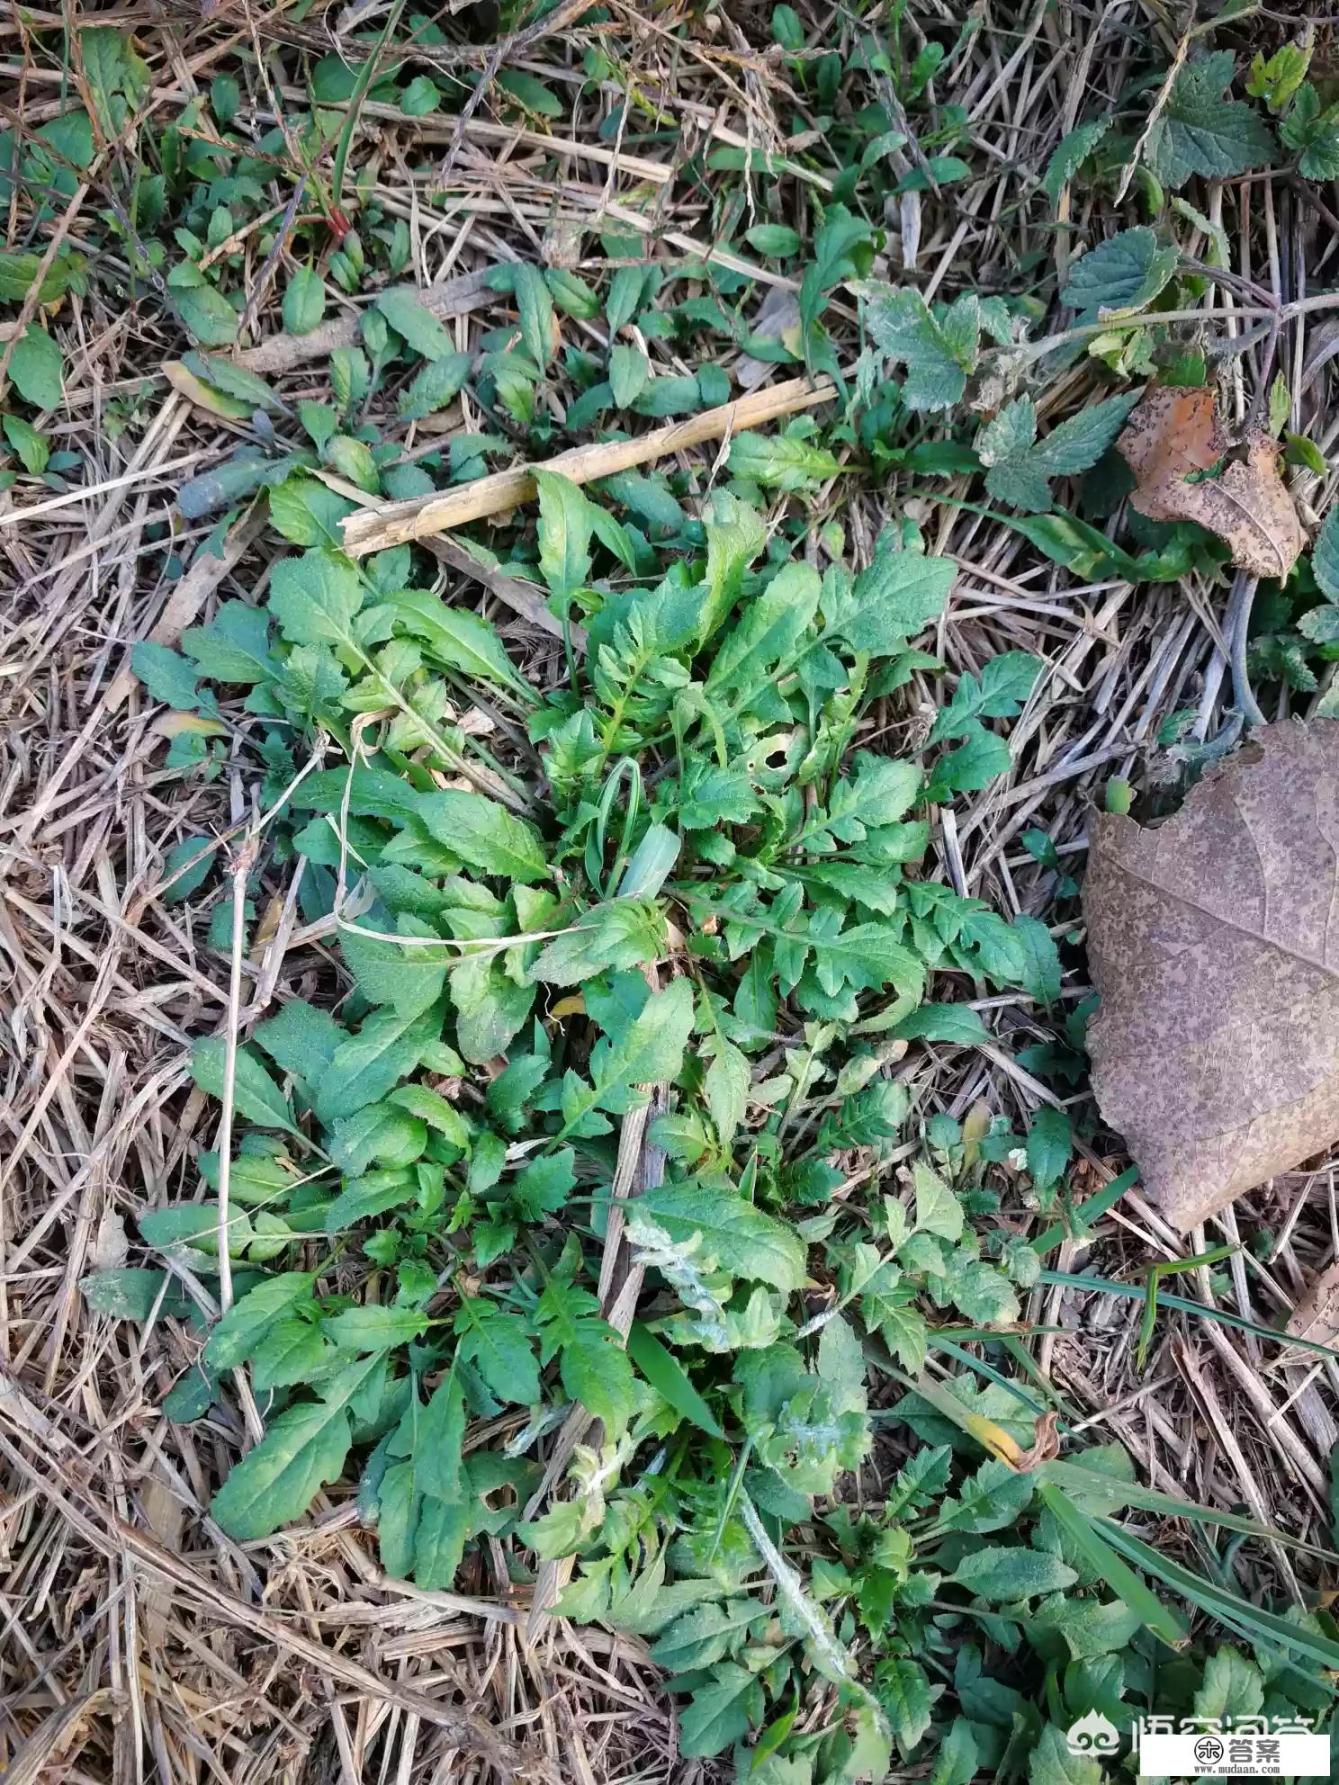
1231,1747
1093,1734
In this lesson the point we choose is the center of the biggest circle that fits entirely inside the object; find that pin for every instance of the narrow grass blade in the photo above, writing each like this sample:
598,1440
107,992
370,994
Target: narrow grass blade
1083,1532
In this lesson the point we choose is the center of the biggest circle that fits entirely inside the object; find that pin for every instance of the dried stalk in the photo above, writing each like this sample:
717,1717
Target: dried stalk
399,522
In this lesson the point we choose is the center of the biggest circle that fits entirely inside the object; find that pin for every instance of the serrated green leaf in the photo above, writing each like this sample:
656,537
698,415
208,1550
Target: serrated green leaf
233,647
649,1048
166,675
1052,1762
1020,467
704,1636
434,386
534,305
742,1239
456,638
1120,276
304,302
1325,556
893,599
1200,132
375,1328
300,1039
903,1690
252,1316
438,1443
938,1210
255,1094
1004,685
1050,1143
485,835
304,1447
628,373
365,1066
566,523
1006,1573
497,1345
36,368
595,1371
938,352
315,597
414,323
720,1711
780,461
291,1352
1070,154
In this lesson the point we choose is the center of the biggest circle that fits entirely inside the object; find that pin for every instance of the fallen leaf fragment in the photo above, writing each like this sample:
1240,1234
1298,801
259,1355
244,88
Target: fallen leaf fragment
1316,1316
1213,939
1189,468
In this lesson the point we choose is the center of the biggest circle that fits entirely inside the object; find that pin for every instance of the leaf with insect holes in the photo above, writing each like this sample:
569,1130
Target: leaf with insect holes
938,352
1213,952
1189,467
1198,131
1119,276
1020,466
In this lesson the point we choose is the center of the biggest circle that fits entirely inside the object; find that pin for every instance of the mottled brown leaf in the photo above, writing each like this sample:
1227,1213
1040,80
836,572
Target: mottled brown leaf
1189,468
1316,1316
1214,943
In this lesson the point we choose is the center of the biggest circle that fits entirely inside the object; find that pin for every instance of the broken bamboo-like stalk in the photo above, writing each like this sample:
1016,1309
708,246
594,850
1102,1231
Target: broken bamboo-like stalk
396,523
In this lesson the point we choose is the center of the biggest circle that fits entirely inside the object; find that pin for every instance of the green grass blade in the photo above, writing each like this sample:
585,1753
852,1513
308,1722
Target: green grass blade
1248,1620
1091,1543
1074,1475
669,1379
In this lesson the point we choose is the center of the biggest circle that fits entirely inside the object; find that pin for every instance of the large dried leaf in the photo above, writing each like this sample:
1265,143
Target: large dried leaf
1189,468
1214,945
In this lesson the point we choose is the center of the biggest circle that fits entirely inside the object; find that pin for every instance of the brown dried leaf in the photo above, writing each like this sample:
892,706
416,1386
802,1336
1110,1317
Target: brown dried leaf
1173,436
1316,1316
1214,946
